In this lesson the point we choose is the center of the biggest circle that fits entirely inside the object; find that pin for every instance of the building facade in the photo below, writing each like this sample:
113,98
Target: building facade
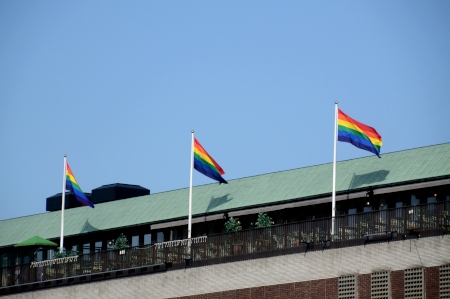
391,225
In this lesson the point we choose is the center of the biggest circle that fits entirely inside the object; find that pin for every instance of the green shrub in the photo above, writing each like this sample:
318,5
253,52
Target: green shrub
233,225
121,242
263,220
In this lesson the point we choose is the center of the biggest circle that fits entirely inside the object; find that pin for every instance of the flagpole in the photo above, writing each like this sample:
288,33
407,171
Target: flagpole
63,200
333,195
190,198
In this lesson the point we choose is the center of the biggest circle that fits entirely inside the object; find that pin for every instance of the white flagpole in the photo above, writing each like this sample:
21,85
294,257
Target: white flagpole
333,196
190,198
63,200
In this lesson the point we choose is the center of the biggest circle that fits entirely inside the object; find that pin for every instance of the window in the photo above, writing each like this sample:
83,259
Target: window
352,211
432,203
383,204
86,248
39,255
147,239
351,221
415,200
160,237
50,253
4,261
383,212
98,246
367,209
173,235
134,241
414,212
86,251
399,210
110,244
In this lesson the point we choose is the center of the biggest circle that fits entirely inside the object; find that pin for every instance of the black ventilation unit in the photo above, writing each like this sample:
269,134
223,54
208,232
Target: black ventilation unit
117,191
54,202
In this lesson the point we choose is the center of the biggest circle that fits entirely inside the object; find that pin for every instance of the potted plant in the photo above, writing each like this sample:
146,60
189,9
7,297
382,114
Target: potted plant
60,254
121,242
232,226
264,221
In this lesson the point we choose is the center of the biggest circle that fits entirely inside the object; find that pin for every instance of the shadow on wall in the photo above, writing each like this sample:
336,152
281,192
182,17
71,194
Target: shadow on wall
368,178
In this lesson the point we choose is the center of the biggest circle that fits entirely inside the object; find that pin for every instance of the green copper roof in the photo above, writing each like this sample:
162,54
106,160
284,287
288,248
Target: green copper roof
396,168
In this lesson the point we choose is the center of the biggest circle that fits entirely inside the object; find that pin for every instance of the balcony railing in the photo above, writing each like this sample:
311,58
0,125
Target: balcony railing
350,230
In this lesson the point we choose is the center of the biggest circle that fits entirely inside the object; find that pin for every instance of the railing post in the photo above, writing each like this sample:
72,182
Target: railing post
328,234
388,219
139,255
314,232
358,226
438,215
153,254
405,215
421,208
373,222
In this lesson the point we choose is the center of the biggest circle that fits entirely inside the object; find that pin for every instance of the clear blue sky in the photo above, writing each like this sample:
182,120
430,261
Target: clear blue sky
119,85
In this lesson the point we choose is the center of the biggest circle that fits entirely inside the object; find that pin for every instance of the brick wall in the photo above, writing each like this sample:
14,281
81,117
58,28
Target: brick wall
432,282
324,288
257,293
364,286
398,284
318,289
332,288
243,293
302,289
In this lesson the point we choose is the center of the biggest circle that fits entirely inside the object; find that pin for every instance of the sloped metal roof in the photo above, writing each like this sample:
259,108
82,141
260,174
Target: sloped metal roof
414,165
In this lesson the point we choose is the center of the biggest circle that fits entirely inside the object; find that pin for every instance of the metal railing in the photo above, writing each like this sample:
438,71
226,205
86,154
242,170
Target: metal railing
427,220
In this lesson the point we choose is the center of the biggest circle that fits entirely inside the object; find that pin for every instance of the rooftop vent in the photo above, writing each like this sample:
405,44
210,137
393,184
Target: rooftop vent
54,202
112,192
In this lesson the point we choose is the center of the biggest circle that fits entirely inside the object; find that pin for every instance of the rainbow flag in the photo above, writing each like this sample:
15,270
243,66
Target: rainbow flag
72,185
205,164
358,134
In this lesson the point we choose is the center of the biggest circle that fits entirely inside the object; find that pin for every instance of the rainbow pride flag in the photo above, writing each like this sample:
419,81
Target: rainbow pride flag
205,164
358,134
72,185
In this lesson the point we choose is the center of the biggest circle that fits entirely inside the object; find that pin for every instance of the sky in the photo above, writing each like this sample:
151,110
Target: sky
119,85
